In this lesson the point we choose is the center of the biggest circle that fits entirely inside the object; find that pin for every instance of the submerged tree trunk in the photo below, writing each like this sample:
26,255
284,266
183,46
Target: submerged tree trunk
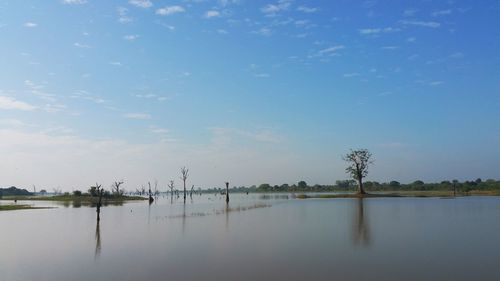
100,192
227,192
184,191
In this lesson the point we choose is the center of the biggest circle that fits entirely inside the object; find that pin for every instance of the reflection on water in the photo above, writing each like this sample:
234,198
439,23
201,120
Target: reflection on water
255,238
361,227
97,252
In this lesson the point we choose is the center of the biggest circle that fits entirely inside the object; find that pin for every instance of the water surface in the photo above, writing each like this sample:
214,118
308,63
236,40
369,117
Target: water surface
272,237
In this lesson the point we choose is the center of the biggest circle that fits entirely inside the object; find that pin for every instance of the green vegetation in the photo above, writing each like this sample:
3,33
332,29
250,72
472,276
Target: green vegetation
19,207
12,191
416,188
81,198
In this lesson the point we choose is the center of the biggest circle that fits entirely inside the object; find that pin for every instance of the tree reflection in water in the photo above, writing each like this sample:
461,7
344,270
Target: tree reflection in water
97,253
361,228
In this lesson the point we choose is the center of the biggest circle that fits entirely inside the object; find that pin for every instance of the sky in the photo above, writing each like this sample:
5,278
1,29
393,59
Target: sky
249,92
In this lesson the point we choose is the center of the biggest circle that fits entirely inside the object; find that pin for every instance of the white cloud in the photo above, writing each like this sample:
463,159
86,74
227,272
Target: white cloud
139,116
330,51
115,63
13,104
350,75
54,108
411,39
262,75
141,3
80,45
158,130
273,9
130,37
74,2
307,9
30,24
410,12
123,15
212,14
264,31
224,3
441,13
436,83
170,10
374,31
431,24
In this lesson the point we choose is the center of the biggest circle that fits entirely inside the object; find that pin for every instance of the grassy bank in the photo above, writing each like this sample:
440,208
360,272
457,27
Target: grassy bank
19,207
74,198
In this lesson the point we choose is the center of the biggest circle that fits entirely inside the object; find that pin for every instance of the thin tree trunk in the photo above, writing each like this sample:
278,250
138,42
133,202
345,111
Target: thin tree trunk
184,191
227,192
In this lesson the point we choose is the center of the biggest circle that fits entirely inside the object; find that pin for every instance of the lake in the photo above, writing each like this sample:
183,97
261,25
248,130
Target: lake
271,237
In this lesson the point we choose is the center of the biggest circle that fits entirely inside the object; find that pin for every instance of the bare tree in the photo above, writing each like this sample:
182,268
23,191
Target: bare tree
227,192
156,192
184,176
171,187
116,188
100,192
358,161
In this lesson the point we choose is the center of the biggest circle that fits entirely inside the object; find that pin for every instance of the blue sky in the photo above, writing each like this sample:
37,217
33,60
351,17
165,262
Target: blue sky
247,91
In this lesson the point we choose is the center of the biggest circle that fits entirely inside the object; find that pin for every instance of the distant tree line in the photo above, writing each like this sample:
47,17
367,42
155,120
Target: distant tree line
351,185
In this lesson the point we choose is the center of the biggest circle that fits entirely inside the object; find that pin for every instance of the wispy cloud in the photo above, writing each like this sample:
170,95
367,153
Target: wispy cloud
170,10
84,95
306,9
262,75
141,3
436,83
212,14
409,12
80,45
441,13
152,96
74,2
138,116
330,51
273,9
350,75
123,16
13,104
375,31
30,24
264,31
431,24
131,37
115,63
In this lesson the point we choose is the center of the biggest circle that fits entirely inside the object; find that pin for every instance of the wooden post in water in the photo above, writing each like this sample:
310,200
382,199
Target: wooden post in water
227,192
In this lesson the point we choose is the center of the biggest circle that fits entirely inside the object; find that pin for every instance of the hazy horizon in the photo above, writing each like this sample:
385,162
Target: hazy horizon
248,92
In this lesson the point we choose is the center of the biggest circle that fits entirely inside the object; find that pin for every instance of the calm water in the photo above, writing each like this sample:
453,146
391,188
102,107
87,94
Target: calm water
271,238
